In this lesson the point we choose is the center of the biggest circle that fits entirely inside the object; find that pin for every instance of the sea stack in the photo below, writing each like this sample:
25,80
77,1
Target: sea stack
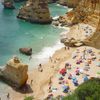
8,4
35,11
15,73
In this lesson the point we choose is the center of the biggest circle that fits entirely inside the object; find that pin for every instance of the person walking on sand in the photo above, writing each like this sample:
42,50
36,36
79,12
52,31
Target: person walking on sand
30,57
65,48
8,96
84,54
40,68
31,82
50,59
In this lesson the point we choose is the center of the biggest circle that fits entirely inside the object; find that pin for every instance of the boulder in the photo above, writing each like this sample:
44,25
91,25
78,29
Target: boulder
15,73
8,4
26,51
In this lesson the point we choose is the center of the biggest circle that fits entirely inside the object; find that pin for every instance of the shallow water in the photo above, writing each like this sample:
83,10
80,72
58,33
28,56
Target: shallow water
15,33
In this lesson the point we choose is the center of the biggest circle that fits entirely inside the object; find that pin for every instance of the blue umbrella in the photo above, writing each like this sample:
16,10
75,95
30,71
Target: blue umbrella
73,78
64,87
85,78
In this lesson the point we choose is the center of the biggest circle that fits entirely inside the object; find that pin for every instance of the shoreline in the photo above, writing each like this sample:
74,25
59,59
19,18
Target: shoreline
39,79
50,71
44,55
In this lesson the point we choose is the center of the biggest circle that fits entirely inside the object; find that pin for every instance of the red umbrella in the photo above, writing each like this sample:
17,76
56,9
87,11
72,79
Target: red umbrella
62,71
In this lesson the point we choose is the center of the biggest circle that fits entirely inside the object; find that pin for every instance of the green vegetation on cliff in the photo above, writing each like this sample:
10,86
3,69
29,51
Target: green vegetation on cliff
89,90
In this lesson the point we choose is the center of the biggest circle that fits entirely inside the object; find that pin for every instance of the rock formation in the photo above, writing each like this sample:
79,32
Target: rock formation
19,0
51,1
35,11
8,4
15,73
88,13
69,3
26,51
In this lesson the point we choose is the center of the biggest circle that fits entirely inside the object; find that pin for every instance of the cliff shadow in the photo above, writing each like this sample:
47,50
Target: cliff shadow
24,89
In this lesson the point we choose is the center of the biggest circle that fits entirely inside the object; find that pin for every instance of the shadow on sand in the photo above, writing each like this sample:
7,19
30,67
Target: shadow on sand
24,89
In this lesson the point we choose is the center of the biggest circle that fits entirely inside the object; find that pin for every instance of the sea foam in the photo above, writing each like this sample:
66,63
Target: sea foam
45,53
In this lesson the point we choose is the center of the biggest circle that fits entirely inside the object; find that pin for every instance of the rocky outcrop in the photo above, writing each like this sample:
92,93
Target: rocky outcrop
35,11
19,0
26,51
84,19
86,11
51,1
15,73
69,3
8,4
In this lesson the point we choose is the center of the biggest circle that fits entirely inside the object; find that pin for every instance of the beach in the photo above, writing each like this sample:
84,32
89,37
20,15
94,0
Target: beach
53,68
39,81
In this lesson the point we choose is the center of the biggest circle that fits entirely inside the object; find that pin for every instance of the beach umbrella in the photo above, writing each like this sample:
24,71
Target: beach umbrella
86,68
98,64
62,71
65,88
85,78
74,78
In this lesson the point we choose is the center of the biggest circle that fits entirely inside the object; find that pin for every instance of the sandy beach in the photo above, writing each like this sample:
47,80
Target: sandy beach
39,81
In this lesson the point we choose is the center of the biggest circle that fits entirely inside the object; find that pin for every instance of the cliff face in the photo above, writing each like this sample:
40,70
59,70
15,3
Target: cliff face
35,11
69,3
86,17
87,11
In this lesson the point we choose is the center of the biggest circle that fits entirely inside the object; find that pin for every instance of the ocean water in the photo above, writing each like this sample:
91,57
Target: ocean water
16,33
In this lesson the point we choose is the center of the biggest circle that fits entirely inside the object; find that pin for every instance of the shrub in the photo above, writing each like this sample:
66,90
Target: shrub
89,90
29,98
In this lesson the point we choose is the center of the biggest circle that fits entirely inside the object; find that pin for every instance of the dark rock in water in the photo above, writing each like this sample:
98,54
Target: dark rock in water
19,0
14,73
8,4
26,51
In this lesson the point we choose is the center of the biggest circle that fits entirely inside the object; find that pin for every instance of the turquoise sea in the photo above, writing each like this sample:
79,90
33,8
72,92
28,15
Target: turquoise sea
16,33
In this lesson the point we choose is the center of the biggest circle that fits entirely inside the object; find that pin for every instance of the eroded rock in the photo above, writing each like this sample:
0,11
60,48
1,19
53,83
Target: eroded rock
8,4
15,73
26,51
85,23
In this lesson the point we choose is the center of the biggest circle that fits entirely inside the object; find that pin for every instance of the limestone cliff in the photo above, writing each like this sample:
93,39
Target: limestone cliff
15,73
87,11
69,3
35,11
85,17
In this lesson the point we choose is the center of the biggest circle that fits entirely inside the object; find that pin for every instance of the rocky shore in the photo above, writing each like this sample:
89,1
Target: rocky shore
85,15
